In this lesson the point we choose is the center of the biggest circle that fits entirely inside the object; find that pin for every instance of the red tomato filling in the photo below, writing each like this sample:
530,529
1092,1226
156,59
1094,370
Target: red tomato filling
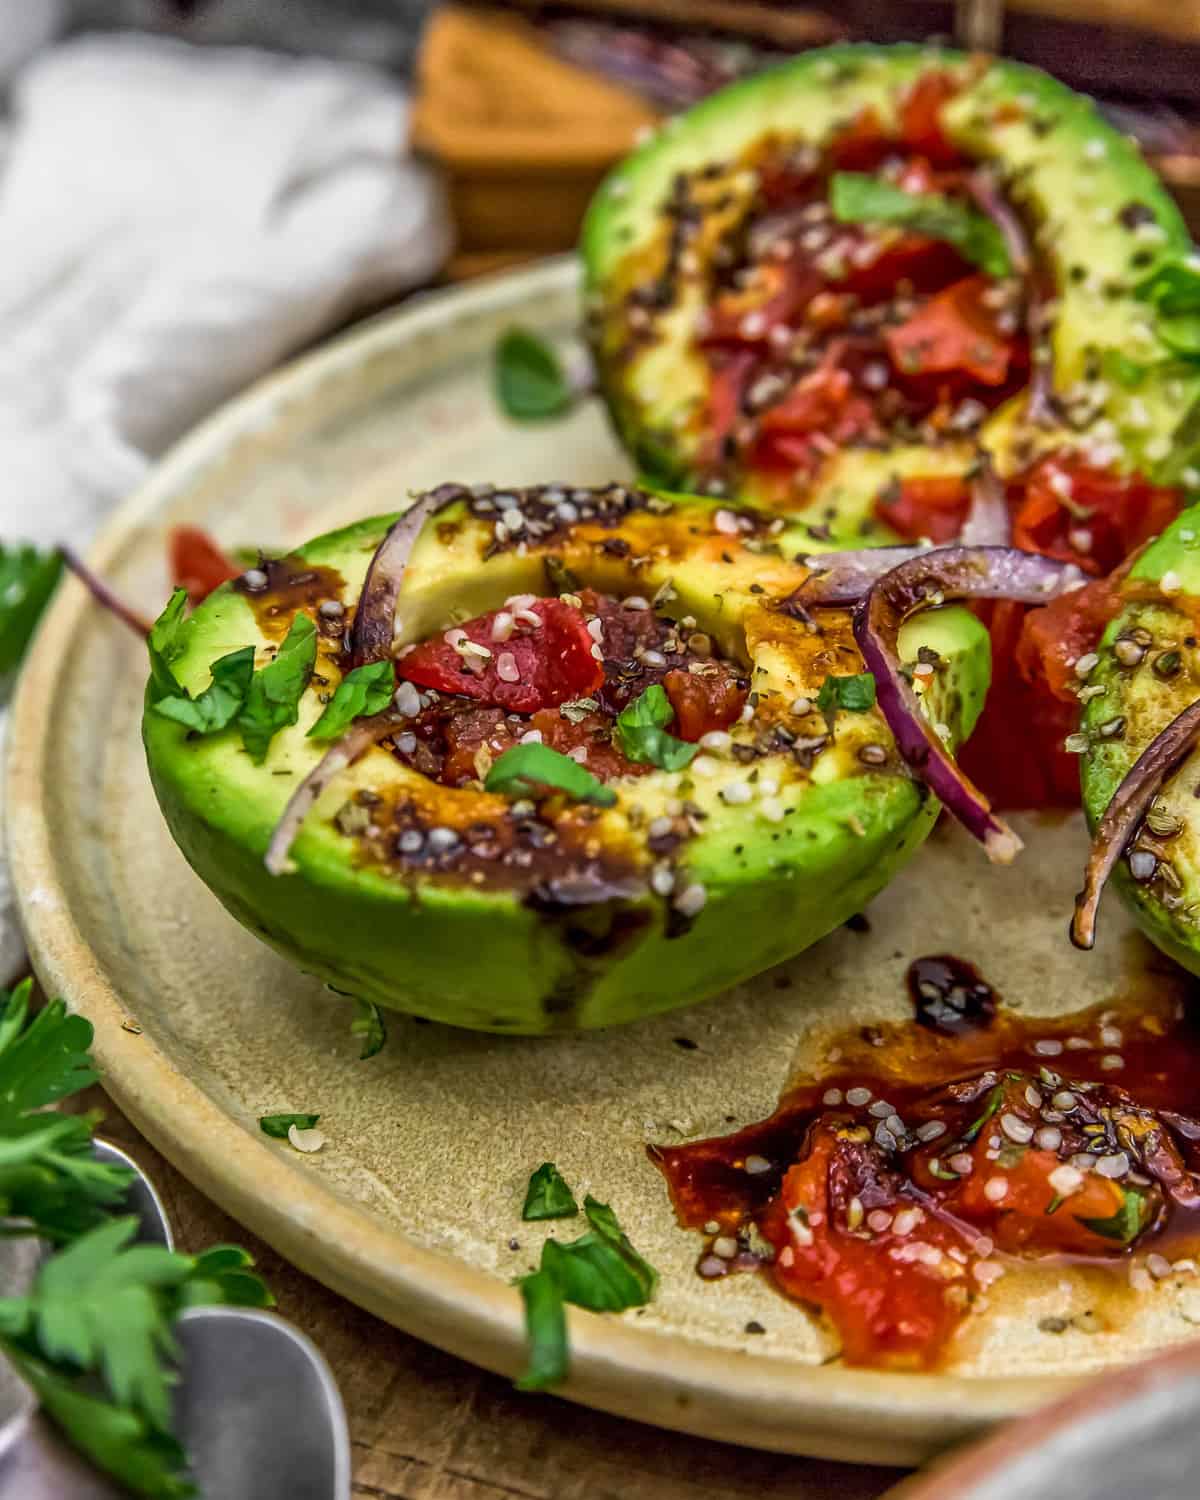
197,563
591,653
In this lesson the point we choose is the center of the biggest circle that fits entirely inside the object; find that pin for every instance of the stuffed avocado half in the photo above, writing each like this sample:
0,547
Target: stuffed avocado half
590,764
835,286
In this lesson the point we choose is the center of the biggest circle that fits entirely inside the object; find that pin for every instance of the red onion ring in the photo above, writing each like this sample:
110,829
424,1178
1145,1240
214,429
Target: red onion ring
987,523
103,594
983,188
842,578
948,573
356,741
1142,783
374,625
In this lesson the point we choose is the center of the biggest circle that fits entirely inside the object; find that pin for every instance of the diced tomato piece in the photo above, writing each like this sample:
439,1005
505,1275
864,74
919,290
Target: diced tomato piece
552,663
726,382
862,144
888,1303
1065,509
934,507
1054,636
593,733
466,734
703,701
927,264
954,331
197,563
921,118
814,403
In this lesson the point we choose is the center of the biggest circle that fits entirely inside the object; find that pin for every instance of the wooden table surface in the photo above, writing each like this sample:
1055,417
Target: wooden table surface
426,1426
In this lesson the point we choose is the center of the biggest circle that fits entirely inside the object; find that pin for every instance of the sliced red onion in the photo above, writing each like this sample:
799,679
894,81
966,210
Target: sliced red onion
984,189
987,523
1129,805
374,625
357,740
844,577
103,594
943,574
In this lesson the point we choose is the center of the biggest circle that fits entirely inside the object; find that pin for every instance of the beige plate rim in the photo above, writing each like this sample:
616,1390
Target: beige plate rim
767,1402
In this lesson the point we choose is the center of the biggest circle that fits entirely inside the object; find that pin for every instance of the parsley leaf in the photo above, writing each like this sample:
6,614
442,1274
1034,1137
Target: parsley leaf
1125,1225
525,770
273,701
368,1023
166,644
854,693
858,198
218,705
528,377
600,1271
994,1100
545,1331
640,732
1173,289
365,690
27,579
548,1196
277,1126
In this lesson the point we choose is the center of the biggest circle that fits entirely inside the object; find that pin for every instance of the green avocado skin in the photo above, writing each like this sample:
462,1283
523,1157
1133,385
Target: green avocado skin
1147,702
1067,169
483,959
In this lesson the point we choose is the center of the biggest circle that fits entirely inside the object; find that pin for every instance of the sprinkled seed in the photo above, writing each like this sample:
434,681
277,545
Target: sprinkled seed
1158,1265
506,667
254,579
1016,1129
712,1227
528,617
1116,1164
1128,652
1076,744
411,841
579,753
1111,1062
884,1138
881,1109
659,827
442,840
757,1165
1139,1278
407,700
1111,1036
802,1235
705,765
711,1267
1064,1100
716,739
1033,1096
736,793
1170,582
801,706
772,809
1162,823
513,520
331,609
1083,1161
1048,1138
725,1246
662,881
854,1214
906,1221
595,629
690,901
1114,728
873,755
1167,664
597,653
896,1125
726,523
635,602
931,1130
502,626
995,1188
962,1162
860,1096
831,1096
654,659
879,1220
307,1141
1048,1047
1085,663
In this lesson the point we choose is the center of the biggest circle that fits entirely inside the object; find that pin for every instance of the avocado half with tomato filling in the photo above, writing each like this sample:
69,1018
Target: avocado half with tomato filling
835,286
615,774
1142,678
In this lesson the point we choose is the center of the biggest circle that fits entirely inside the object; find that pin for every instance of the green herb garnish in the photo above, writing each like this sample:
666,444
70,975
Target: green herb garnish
640,732
548,1196
857,198
1125,1225
941,1173
526,770
27,579
277,1126
528,377
856,694
994,1100
368,1023
273,700
166,645
364,691
1173,290
219,704
600,1271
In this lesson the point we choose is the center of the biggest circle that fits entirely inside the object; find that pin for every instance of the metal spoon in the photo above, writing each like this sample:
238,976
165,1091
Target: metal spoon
256,1407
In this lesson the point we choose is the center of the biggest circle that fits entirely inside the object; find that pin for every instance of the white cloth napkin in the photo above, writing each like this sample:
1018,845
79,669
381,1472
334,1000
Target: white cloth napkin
173,221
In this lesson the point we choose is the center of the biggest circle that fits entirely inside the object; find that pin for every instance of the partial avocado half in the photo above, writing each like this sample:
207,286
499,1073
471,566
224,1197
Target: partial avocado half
1098,221
821,819
1146,673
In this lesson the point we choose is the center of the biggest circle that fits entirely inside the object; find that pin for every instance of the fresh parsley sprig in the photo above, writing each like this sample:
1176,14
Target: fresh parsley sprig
27,579
530,770
858,198
640,732
528,377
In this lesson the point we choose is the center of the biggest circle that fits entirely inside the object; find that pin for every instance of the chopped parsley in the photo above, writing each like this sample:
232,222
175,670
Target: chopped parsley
166,645
27,579
548,1196
277,1126
1126,1224
857,198
1173,290
364,691
856,694
273,699
600,1271
221,701
994,1100
528,377
527,770
640,732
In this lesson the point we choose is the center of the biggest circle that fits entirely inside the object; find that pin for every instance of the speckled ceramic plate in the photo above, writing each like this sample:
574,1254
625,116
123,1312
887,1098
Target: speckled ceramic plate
411,1207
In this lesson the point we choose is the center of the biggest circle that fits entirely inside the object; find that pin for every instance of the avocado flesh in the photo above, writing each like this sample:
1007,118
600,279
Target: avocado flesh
1099,219
779,873
1147,697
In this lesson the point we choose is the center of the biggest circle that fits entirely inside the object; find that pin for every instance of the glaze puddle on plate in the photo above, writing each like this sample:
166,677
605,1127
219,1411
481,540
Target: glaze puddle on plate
410,1207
